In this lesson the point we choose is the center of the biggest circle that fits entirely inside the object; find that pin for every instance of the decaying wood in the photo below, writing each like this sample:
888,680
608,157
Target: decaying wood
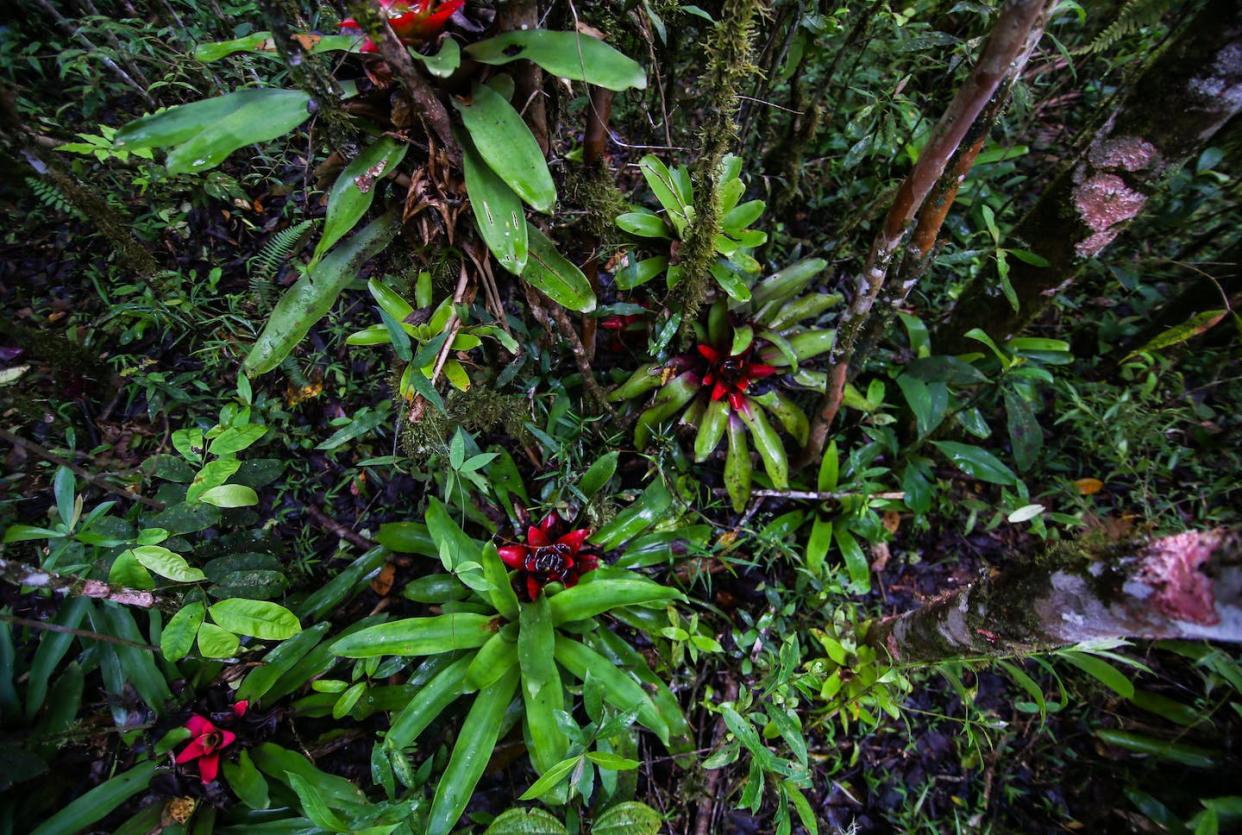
1184,586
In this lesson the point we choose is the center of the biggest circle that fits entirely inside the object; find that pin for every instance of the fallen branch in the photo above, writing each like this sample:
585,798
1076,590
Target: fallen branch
31,576
1186,586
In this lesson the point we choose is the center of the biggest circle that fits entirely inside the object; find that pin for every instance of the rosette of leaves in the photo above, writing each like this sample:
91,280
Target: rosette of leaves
732,267
417,335
504,167
492,644
730,383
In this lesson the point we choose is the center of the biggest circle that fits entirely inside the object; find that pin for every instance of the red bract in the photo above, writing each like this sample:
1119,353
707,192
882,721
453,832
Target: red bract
547,558
413,22
731,376
205,744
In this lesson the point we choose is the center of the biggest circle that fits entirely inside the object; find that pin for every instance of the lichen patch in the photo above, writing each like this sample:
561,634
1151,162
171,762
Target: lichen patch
1103,202
1171,569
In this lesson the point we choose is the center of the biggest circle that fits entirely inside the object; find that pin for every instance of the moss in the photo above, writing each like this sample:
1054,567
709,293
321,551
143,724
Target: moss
728,64
594,189
478,410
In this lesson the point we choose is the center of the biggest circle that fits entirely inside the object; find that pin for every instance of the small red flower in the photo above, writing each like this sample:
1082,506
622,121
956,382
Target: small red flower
731,376
547,558
206,743
414,21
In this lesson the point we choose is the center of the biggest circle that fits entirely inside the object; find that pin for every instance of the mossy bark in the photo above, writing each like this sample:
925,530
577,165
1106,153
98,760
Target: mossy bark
729,62
1173,110
1183,586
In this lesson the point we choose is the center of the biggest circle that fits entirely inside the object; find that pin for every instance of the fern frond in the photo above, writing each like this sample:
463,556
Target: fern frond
278,249
52,197
1133,16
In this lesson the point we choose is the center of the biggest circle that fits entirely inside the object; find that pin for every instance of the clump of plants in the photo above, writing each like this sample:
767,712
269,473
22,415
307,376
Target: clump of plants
728,385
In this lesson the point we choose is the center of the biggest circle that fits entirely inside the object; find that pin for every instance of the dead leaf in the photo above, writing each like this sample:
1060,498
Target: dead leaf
382,584
1088,486
892,521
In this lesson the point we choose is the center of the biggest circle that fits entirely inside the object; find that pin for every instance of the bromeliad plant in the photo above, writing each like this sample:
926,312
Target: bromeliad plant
727,385
418,335
733,266
502,165
517,622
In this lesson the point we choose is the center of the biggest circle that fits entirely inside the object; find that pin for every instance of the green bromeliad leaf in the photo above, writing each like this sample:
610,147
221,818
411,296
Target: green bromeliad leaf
565,54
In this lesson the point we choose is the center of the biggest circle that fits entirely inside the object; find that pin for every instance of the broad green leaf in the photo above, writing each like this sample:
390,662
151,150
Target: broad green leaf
213,475
1101,671
418,636
644,224
598,474
1190,755
675,200
445,62
472,750
214,642
506,144
236,438
206,132
638,273
313,295
1192,327
261,43
556,277
178,635
256,618
564,54
856,564
1025,434
542,692
245,780
230,495
98,803
497,211
525,822
550,778
977,462
167,564
354,190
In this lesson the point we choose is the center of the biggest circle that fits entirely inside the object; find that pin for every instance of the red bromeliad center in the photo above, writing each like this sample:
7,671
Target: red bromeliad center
546,558
731,376
414,21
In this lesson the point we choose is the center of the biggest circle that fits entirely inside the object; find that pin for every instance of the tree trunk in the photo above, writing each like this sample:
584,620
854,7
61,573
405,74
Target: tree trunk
1018,22
1179,101
1183,586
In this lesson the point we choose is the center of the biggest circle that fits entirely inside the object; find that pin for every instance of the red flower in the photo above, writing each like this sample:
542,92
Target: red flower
541,560
414,21
731,376
206,743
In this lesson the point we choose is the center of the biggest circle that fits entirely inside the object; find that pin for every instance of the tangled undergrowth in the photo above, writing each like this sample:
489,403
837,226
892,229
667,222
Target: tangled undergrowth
409,413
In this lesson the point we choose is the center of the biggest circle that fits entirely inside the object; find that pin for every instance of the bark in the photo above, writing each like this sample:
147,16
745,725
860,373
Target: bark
307,72
1175,107
1014,27
31,576
1184,586
515,16
426,104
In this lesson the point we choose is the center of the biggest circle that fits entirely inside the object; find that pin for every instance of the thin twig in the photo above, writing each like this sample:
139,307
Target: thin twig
47,626
47,455
592,385
707,805
325,521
